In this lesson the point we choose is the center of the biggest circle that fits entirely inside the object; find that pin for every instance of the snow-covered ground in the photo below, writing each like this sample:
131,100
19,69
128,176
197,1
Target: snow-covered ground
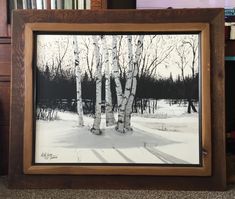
172,139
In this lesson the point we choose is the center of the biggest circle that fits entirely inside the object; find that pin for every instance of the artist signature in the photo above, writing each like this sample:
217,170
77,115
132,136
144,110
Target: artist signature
49,156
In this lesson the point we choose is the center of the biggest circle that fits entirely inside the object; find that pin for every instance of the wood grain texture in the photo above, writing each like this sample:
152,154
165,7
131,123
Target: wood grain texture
98,4
5,61
215,17
3,19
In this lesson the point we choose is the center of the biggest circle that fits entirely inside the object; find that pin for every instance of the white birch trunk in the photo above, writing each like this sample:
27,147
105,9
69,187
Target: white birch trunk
96,125
108,96
78,83
116,74
138,52
122,113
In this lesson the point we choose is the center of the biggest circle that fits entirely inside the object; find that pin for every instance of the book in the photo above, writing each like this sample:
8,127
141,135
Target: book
75,4
13,4
24,4
88,4
68,4
80,4
39,4
33,3
29,5
44,4
49,4
19,4
60,4
232,32
53,4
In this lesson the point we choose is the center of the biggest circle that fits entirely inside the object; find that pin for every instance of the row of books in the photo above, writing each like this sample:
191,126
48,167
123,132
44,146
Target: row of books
50,4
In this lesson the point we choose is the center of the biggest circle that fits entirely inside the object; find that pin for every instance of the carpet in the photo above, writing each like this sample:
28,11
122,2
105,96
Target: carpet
6,193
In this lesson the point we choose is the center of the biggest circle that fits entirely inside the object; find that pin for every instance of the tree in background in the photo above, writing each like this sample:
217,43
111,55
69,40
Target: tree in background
182,51
108,96
78,82
116,72
97,120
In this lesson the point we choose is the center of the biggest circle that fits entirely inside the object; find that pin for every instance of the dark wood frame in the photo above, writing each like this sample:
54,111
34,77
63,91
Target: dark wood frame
213,17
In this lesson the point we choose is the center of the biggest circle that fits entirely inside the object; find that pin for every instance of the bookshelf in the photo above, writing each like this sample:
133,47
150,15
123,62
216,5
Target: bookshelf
5,69
5,62
5,52
230,93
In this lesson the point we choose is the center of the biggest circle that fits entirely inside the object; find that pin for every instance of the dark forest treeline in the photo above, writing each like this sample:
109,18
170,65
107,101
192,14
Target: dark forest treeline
51,91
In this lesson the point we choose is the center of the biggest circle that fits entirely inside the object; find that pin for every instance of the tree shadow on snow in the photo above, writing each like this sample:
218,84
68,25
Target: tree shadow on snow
83,138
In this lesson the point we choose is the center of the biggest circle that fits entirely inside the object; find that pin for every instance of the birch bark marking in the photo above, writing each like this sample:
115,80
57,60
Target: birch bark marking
78,82
122,113
96,125
116,74
108,97
139,49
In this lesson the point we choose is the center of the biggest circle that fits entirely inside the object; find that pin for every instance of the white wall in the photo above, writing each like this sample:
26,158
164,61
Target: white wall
185,3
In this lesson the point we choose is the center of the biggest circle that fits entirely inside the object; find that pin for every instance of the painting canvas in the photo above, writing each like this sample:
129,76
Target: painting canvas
117,98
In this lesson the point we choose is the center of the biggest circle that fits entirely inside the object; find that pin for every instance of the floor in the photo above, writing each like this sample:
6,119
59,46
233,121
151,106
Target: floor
109,194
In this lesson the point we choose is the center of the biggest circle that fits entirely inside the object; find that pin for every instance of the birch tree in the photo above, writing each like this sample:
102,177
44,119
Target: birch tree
78,82
97,120
124,115
115,71
139,49
193,44
89,59
108,97
183,52
182,62
128,86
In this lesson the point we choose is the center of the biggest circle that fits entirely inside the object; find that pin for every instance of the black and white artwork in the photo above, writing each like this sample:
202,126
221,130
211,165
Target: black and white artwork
117,98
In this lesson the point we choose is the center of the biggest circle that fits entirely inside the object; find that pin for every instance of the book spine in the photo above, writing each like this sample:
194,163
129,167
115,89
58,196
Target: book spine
44,4
24,4
88,4
75,4
29,6
14,4
53,4
39,4
80,4
33,3
68,4
19,4
232,32
59,4
49,4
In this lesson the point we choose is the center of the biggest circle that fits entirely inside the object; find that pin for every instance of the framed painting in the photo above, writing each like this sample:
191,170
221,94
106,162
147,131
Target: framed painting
113,99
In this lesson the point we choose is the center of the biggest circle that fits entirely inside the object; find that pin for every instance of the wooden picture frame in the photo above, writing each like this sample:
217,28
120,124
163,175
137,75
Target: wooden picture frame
30,165
207,22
